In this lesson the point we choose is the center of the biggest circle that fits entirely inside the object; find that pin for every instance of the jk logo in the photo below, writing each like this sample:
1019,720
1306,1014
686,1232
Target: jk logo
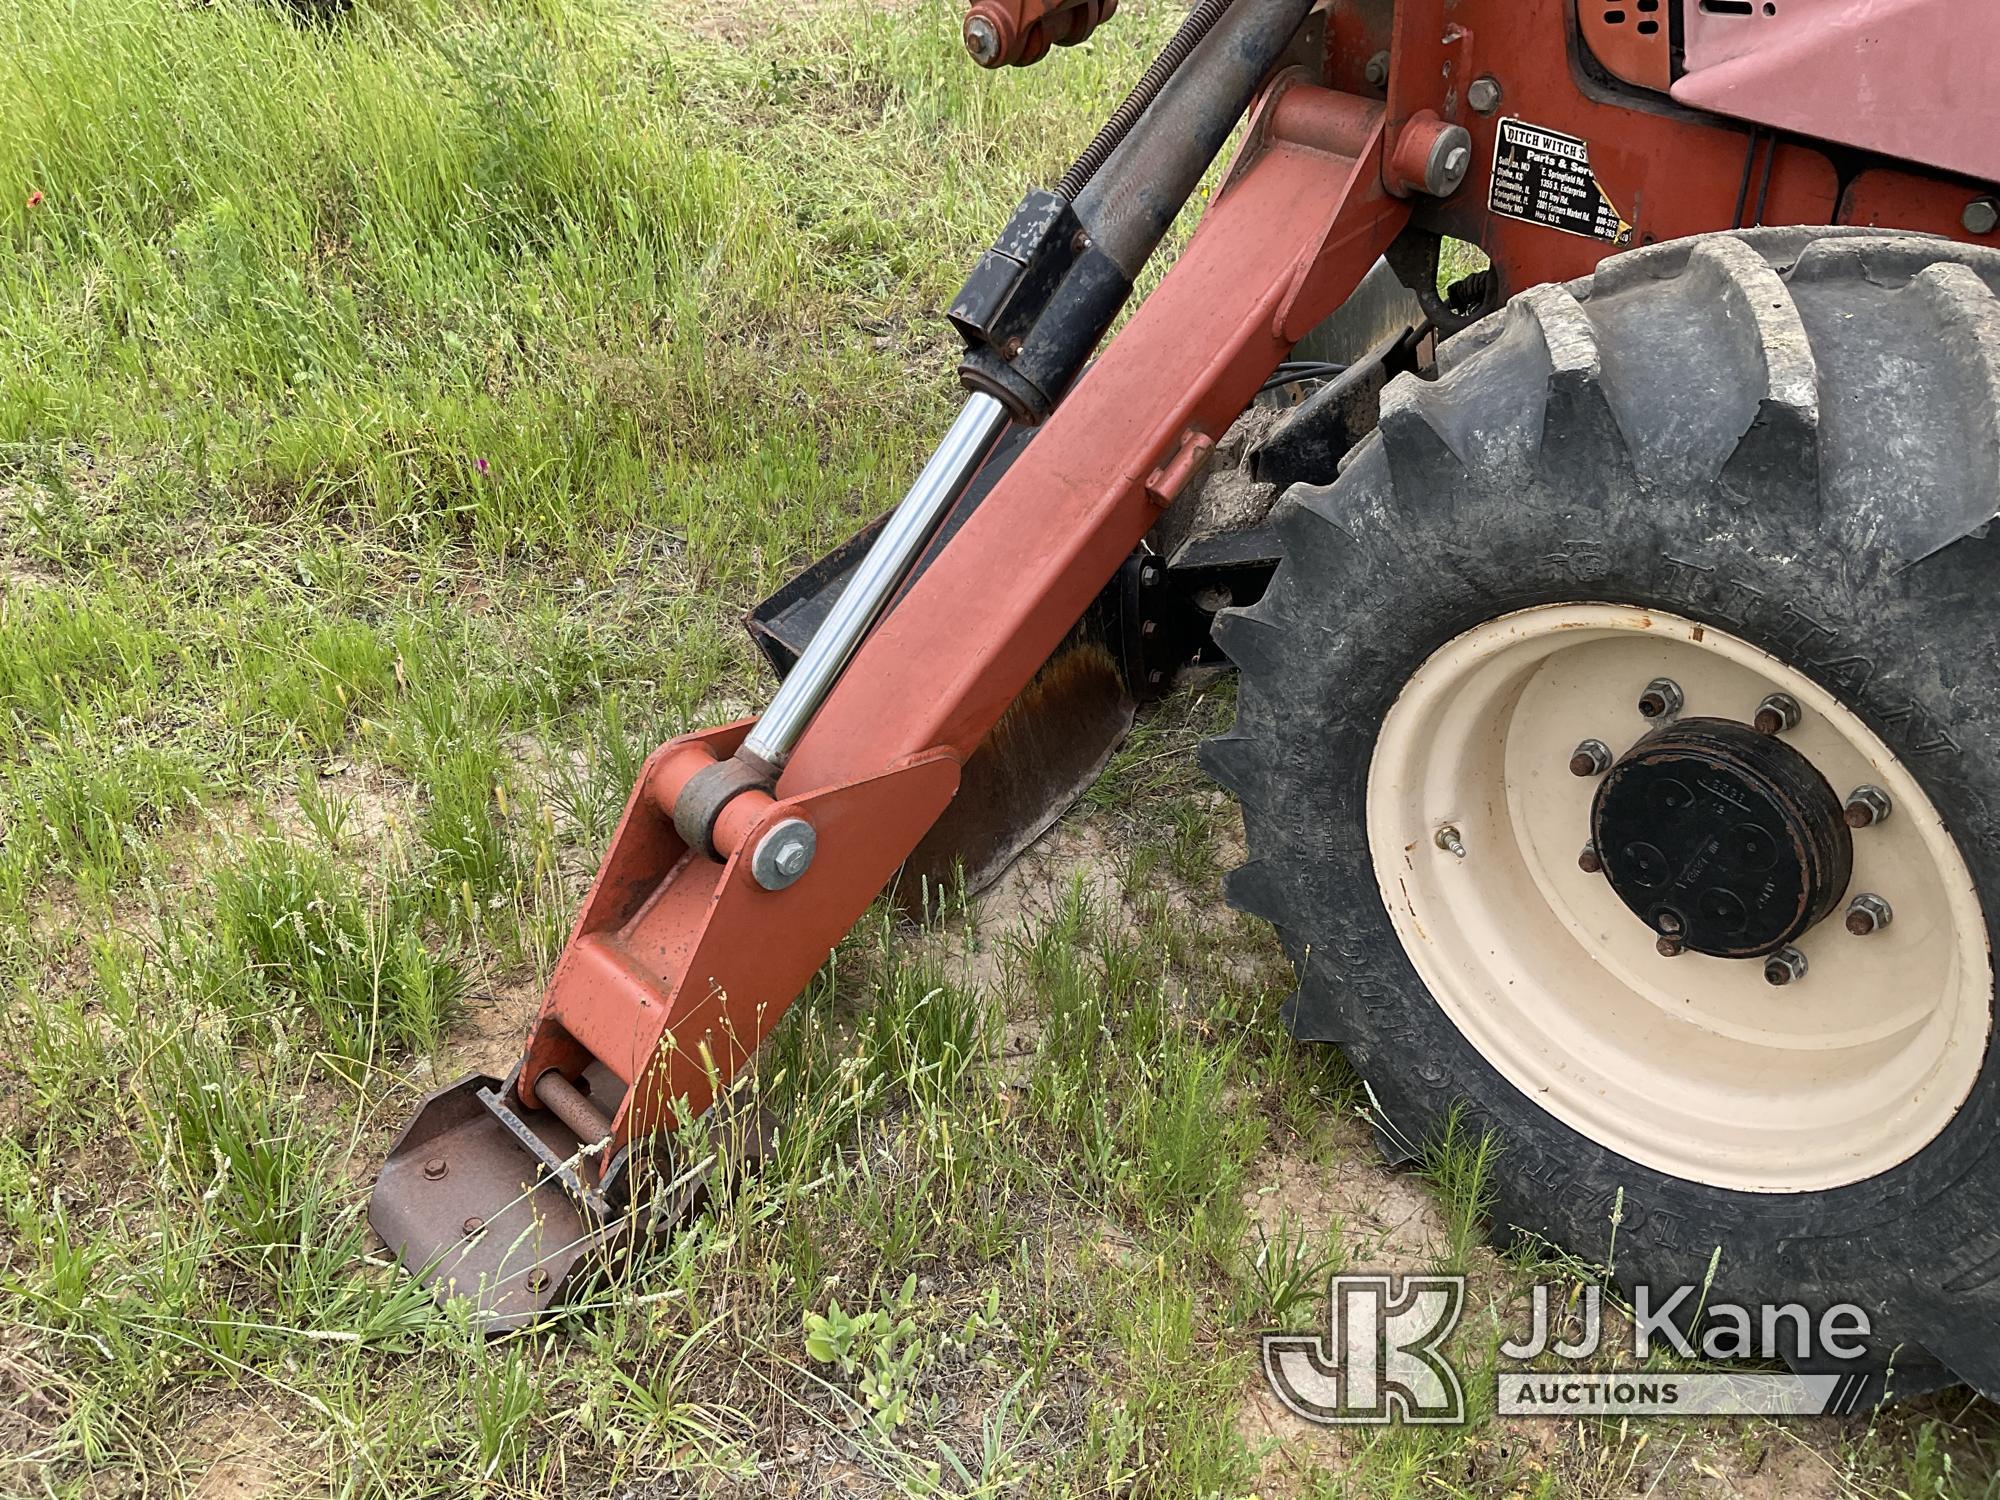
1380,1358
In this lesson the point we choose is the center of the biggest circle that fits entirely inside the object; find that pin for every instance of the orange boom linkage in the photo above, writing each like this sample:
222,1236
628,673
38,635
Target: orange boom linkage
746,852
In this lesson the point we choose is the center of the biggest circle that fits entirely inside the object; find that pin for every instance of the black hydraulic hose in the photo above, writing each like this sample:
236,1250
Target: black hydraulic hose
1199,22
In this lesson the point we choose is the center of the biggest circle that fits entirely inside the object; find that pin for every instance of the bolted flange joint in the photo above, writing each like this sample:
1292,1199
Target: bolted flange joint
783,854
982,40
1429,156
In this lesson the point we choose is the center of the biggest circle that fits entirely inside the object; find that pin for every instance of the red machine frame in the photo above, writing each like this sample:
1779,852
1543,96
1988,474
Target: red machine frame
679,965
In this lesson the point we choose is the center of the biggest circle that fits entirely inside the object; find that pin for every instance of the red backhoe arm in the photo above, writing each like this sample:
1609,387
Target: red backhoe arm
681,963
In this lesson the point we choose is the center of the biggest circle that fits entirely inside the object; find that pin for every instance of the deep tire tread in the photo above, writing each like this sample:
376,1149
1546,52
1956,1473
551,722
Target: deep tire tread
1725,396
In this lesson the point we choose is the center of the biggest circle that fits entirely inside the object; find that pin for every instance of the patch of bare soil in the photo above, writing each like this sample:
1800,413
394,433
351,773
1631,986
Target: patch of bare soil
492,1027
32,1408
1034,889
1388,1221
254,1455
376,805
1029,894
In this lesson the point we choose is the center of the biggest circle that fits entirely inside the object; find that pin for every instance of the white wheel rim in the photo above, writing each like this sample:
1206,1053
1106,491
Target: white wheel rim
1695,1066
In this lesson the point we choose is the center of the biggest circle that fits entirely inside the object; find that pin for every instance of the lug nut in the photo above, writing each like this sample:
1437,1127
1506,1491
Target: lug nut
1786,966
1589,861
1483,94
435,1168
1449,841
1776,714
1592,758
1670,946
1866,806
1662,698
1868,913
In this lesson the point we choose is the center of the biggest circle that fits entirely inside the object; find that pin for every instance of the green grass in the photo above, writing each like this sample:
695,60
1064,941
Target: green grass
395,417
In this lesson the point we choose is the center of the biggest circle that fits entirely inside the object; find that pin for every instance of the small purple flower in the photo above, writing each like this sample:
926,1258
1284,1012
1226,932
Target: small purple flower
482,466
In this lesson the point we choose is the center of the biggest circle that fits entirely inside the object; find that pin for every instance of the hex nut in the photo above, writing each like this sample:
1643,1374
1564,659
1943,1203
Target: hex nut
1866,806
1868,913
1776,714
1590,861
1591,758
1483,94
1450,159
1786,966
1661,698
982,40
784,854
1448,840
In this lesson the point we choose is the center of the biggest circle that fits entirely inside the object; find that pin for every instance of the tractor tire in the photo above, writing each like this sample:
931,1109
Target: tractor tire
1762,466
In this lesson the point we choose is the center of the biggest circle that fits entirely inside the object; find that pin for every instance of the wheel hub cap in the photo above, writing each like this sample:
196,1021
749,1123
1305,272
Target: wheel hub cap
1670,1049
1723,838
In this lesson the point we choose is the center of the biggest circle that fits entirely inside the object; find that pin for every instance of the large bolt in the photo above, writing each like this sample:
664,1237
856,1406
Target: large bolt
1450,159
1661,699
1981,216
1786,966
1776,714
783,854
1449,841
1868,913
1866,806
473,1225
1377,71
1592,758
1483,94
982,40
435,1168
537,1280
1590,861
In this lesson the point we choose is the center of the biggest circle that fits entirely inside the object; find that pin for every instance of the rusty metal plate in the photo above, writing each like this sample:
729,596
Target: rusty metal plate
484,1201
474,1212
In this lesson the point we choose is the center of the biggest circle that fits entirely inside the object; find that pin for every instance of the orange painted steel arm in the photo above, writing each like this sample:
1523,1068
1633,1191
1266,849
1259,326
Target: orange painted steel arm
679,965
984,616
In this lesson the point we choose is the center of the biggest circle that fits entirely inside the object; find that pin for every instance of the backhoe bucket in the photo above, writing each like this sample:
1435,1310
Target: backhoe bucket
502,1206
489,1206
